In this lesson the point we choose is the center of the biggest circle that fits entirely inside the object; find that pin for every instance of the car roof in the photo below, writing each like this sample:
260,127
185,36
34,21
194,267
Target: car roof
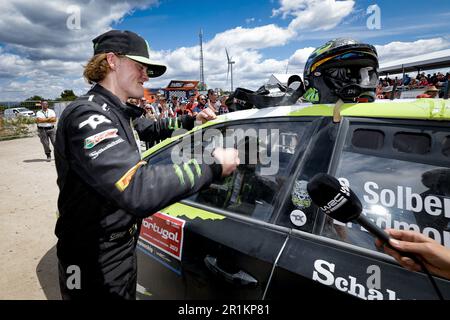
426,109
419,109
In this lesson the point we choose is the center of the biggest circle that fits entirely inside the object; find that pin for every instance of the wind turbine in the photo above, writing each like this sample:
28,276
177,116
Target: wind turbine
230,68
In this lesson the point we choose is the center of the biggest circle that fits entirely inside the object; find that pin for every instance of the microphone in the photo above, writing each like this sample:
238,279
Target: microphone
340,203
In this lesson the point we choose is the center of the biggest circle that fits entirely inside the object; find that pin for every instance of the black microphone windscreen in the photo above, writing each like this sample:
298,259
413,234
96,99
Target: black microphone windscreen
334,198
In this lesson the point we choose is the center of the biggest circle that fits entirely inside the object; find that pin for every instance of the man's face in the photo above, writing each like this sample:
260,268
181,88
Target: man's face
44,105
212,96
131,76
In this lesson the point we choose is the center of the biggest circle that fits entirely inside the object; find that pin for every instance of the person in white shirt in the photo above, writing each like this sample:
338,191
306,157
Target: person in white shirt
46,119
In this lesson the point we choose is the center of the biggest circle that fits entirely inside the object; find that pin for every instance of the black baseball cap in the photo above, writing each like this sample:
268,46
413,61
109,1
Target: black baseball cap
129,44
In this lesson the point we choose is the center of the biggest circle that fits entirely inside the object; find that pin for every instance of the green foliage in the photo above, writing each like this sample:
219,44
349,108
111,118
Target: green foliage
35,98
67,95
17,127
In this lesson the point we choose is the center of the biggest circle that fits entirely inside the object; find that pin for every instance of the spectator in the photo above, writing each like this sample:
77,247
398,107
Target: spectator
166,112
150,112
413,84
223,107
423,82
432,91
142,102
46,119
387,91
406,79
201,102
190,106
440,80
181,109
173,104
213,103
379,91
156,106
434,79
133,101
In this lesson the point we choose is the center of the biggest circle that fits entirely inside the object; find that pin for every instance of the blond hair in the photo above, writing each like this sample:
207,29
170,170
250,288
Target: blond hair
96,68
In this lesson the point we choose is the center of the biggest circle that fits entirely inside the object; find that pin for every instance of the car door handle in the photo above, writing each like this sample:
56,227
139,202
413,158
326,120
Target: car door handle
240,278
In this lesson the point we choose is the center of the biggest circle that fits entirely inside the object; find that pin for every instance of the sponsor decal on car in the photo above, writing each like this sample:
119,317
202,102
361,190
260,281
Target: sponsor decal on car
381,202
324,273
125,180
92,141
164,232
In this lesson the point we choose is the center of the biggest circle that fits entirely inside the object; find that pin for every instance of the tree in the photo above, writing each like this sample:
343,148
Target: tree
35,98
67,95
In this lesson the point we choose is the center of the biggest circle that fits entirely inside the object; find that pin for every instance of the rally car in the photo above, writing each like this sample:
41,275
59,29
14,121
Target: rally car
258,235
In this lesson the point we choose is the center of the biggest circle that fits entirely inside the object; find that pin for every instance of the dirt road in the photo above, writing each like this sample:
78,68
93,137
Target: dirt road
28,195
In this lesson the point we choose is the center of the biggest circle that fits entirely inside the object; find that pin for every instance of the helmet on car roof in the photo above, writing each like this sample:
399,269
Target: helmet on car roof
341,69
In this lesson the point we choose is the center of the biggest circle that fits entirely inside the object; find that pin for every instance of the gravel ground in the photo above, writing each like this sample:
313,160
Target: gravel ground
28,195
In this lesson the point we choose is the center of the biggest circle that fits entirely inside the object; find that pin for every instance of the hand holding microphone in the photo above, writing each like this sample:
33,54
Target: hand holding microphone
341,203
435,256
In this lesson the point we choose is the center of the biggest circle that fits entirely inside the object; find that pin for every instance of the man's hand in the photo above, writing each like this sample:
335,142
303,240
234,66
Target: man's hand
228,158
435,257
205,115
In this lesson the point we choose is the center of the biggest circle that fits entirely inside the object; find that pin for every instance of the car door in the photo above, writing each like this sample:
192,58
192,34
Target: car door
222,242
400,170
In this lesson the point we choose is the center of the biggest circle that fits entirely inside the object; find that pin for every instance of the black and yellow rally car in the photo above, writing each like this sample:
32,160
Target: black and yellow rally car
257,234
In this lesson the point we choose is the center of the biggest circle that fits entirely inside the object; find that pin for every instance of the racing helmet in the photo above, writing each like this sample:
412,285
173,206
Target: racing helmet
341,69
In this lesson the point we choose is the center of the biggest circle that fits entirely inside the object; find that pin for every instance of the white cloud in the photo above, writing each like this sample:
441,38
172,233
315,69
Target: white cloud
314,14
41,54
300,56
256,38
398,49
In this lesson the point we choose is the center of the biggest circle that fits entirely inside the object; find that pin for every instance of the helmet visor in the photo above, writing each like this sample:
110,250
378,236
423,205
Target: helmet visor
365,77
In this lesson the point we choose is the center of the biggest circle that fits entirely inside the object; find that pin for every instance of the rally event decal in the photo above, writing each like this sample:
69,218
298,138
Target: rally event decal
164,232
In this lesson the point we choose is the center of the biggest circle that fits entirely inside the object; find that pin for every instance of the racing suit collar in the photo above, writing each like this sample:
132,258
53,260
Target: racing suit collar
129,110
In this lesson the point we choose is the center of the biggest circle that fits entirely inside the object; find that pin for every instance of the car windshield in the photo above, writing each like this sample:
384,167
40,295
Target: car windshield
23,109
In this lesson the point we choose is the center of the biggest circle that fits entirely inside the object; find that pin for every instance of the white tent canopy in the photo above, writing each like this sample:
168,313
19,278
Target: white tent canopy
433,60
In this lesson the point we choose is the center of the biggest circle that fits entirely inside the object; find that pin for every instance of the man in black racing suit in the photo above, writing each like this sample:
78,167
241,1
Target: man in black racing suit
105,187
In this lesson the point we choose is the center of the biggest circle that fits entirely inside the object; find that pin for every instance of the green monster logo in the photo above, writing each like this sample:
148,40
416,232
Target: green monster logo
311,95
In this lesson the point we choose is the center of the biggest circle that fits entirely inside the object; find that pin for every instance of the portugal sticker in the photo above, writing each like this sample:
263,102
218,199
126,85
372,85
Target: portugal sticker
164,232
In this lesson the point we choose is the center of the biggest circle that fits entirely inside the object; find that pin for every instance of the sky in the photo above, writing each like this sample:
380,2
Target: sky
44,45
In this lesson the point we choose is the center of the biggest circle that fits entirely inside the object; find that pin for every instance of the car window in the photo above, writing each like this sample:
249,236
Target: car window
253,188
266,150
298,211
401,176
